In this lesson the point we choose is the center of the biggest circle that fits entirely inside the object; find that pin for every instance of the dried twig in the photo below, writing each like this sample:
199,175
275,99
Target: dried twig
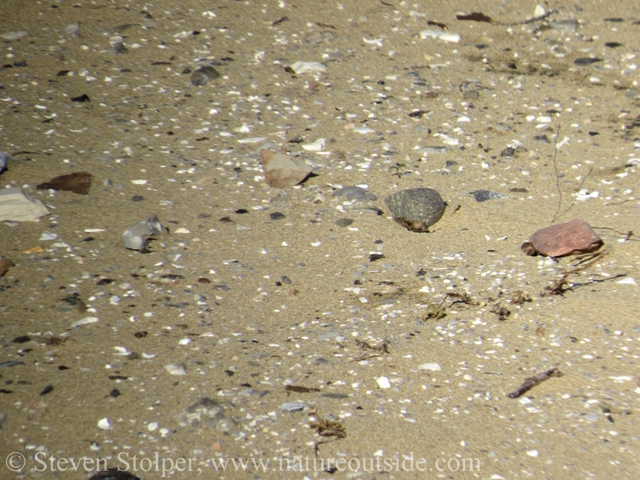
559,286
531,382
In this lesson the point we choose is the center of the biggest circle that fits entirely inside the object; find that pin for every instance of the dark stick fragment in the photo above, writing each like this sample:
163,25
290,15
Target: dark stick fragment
531,382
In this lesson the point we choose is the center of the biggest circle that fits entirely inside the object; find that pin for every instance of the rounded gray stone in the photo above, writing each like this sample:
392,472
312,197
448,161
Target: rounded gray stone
416,208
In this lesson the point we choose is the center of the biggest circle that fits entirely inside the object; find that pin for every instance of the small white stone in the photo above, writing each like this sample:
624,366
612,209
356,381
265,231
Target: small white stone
182,230
384,382
104,424
175,369
532,453
139,182
185,341
434,367
627,281
152,426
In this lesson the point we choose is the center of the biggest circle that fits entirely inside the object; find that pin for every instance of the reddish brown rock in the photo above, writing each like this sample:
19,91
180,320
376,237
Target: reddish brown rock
563,239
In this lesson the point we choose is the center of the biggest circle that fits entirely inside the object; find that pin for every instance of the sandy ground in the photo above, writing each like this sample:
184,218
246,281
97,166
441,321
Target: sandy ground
269,313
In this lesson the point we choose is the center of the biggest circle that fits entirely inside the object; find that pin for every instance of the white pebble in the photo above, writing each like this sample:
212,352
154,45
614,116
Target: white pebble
104,424
384,382
434,367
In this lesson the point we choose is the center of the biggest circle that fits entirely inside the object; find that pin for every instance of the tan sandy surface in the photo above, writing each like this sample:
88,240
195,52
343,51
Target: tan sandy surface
210,295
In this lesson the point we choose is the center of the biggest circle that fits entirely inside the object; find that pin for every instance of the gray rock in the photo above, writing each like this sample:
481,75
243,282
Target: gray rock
484,195
292,406
4,160
344,222
416,208
201,76
355,193
136,237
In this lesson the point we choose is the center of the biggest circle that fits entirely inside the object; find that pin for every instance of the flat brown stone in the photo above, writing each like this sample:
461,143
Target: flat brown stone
571,238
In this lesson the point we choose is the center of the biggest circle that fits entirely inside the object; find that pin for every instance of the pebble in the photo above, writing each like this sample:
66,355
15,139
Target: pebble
292,406
203,75
357,194
343,222
416,208
484,195
571,238
175,369
135,237
19,206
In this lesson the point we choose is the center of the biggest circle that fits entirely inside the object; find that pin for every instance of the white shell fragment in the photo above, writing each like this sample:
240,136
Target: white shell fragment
19,206
433,367
383,382
175,369
445,36
104,424
316,146
85,321
305,67
135,238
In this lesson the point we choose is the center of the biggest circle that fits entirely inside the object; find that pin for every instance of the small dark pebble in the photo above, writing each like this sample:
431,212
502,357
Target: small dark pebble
518,190
62,73
378,242
172,276
88,239
81,98
226,220
47,389
63,367
141,334
204,280
343,222
242,211
613,20
20,63
297,139
586,61
484,195
612,44
541,138
593,134
104,281
137,198
22,339
376,256
114,474
285,279
115,393
277,216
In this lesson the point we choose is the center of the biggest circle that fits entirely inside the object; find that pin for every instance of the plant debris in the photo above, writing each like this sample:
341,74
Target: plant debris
531,382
